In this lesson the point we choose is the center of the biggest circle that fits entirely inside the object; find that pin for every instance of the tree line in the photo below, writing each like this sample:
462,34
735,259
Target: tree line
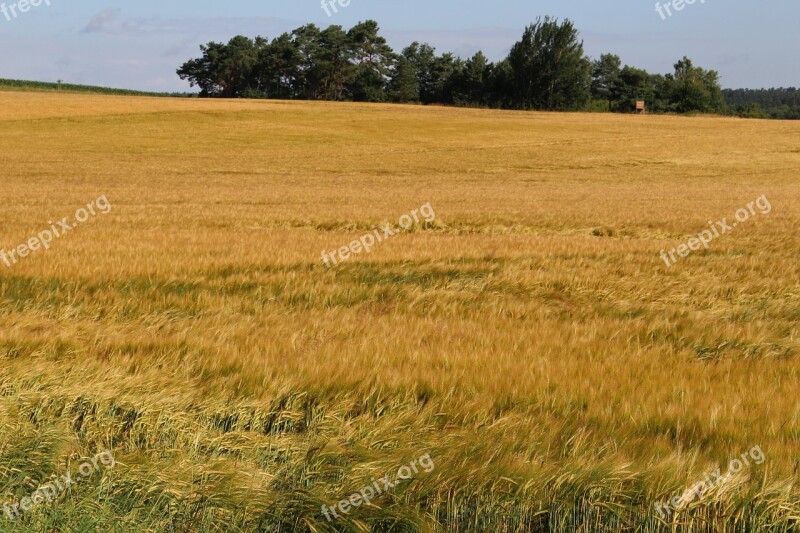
765,103
545,70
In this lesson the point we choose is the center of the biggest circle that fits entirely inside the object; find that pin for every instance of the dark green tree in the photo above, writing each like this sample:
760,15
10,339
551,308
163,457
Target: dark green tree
310,75
634,84
278,69
422,57
606,77
333,64
501,86
469,82
404,85
373,60
223,70
550,70
693,89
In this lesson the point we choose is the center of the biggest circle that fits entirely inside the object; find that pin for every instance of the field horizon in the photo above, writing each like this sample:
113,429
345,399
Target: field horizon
528,338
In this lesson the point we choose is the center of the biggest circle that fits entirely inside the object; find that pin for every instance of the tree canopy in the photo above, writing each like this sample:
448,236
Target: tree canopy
546,69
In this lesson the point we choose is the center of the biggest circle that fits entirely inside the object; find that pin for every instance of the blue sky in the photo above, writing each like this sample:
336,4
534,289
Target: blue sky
140,44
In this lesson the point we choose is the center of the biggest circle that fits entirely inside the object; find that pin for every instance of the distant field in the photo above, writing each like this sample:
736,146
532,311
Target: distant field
24,85
530,339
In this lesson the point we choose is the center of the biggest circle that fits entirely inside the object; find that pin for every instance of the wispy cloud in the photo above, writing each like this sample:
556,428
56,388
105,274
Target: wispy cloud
103,21
111,22
190,43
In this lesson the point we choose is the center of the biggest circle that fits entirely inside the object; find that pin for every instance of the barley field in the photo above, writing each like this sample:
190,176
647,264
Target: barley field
530,340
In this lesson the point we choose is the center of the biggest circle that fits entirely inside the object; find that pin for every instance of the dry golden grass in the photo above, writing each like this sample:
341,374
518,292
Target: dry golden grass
531,340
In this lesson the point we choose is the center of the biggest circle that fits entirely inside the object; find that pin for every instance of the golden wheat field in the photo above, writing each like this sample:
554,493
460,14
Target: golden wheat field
530,341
